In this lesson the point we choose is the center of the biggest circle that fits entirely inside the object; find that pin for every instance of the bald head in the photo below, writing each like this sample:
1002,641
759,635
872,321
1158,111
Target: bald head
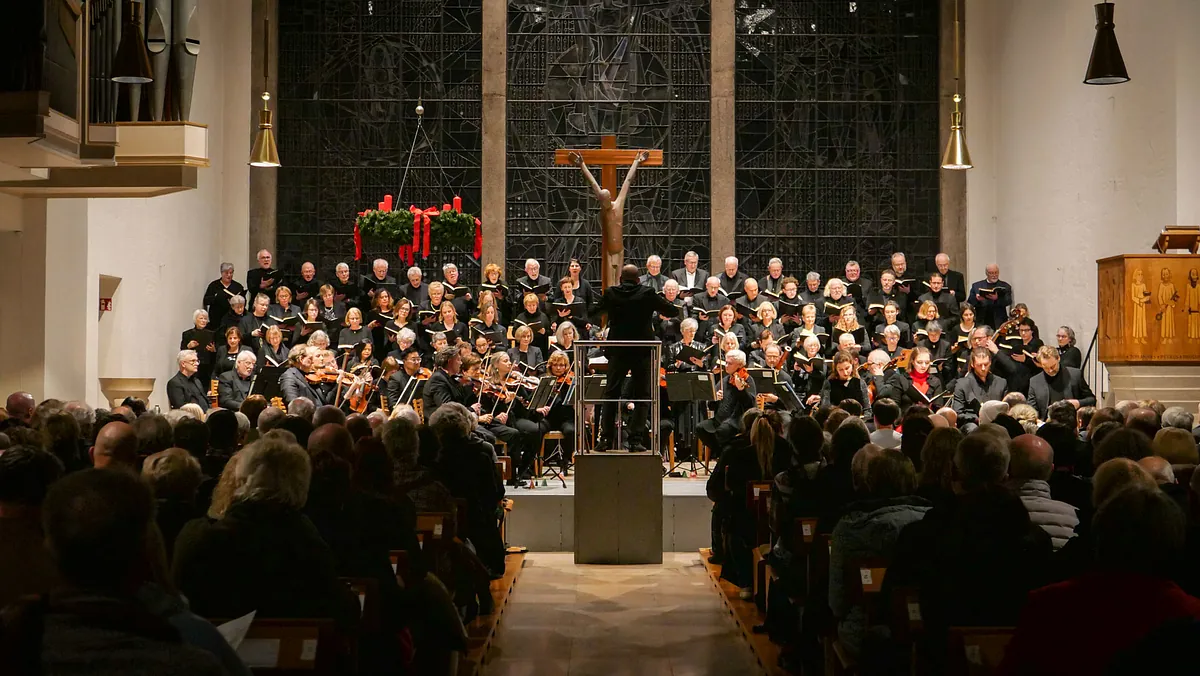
1144,420
331,438
1158,468
629,273
116,446
1030,457
20,405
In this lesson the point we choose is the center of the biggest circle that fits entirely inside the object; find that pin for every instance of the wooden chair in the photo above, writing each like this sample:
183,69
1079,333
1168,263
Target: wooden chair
401,566
504,463
863,581
907,623
367,591
292,647
419,406
977,651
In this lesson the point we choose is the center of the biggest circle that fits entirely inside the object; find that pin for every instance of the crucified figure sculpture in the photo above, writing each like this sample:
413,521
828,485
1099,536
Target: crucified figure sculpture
612,216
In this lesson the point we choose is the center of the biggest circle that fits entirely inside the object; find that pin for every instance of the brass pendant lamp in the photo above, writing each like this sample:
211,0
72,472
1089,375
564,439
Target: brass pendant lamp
956,156
265,153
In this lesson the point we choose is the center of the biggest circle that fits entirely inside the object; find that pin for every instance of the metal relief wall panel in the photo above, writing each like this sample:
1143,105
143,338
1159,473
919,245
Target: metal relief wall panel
837,133
578,70
350,75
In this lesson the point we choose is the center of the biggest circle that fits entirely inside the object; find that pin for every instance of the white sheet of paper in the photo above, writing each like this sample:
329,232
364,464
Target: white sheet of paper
308,650
260,653
234,631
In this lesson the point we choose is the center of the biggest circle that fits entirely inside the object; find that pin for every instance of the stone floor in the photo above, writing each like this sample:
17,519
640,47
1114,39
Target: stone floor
613,620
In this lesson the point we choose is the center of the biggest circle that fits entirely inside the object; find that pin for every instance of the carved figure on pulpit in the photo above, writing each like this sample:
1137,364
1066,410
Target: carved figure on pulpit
612,214
1193,304
1141,296
1166,299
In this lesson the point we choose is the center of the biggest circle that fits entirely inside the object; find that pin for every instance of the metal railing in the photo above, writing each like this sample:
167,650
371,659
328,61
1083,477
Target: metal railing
1094,371
582,438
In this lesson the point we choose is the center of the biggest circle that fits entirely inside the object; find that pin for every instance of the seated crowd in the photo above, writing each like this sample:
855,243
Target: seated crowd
1076,534
129,535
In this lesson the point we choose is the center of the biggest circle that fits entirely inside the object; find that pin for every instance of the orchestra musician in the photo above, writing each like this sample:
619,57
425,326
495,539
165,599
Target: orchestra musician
410,367
233,386
735,396
292,383
504,414
559,415
185,387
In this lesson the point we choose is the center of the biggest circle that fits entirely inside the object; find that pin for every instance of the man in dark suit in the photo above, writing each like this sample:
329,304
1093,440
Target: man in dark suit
185,387
954,280
976,388
292,384
654,278
379,278
630,307
733,279
410,365
691,275
264,278
735,397
442,387
1057,383
990,297
233,386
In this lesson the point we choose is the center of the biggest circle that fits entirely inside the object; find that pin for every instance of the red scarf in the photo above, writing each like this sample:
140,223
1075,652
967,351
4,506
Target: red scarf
920,381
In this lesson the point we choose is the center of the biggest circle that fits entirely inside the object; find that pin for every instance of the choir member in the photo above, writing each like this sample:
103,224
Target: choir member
535,320
654,277
735,396
487,326
534,281
927,312
318,339
673,361
847,323
705,305
691,276
354,332
809,327
378,279
410,367
891,317
416,291
979,386
437,343
813,292
965,324
568,306
954,280
941,296
887,291
345,288
482,348
991,297
727,324
185,387
307,286
273,352
772,283
448,324
310,322
525,352
733,281
905,283
581,286
283,308
559,414
917,384
564,340
890,344
1057,383
766,321
220,292
464,302
494,282
237,312
789,303
836,300
844,383
746,305
679,412
845,343
1016,360
402,318
1067,351
254,325
332,310
382,311
666,329
856,285
264,278
758,356
406,341
202,340
808,371
428,311
227,354
939,348
233,386
293,383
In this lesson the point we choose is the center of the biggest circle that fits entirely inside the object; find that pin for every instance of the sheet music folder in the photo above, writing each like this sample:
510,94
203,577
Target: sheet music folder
693,386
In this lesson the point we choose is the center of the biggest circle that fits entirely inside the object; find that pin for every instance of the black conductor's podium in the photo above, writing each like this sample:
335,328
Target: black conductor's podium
618,508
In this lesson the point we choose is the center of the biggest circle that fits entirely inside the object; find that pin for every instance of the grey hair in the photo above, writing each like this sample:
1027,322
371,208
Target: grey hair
408,412
406,334
562,328
731,259
1070,334
378,417
532,260
175,415
878,357
689,323
451,421
691,254
654,258
933,325
378,261
852,264
339,266
246,355
449,266
273,470
812,276
185,355
197,313
82,413
891,329
192,409
1178,416
773,261
400,439
414,270
736,354
712,278
302,407
237,301
226,266
316,337
982,459
243,422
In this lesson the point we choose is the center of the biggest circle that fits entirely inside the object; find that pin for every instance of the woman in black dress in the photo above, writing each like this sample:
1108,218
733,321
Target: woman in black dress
274,351
254,324
200,339
581,286
1068,353
917,385
448,323
227,354
493,282
533,317
487,325
354,332
310,323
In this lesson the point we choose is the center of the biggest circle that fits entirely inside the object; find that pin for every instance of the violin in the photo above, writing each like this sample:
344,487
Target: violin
322,377
743,375
425,374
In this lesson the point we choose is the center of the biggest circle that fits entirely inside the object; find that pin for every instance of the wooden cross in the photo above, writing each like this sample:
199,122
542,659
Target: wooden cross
608,157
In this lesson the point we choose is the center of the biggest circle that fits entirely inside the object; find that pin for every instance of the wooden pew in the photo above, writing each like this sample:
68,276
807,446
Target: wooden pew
758,497
292,647
863,580
977,651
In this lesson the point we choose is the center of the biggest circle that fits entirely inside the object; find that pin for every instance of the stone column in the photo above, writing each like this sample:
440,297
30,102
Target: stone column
954,183
494,180
264,182
722,132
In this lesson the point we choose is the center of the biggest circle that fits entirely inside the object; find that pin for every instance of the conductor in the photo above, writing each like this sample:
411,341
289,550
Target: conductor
631,308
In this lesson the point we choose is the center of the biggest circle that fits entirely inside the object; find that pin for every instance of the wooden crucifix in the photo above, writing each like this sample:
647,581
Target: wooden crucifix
612,209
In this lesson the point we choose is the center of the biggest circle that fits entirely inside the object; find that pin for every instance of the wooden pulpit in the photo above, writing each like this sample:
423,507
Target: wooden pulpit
1150,306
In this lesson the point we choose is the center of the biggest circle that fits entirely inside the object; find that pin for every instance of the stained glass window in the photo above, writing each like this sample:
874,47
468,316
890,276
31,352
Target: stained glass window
837,133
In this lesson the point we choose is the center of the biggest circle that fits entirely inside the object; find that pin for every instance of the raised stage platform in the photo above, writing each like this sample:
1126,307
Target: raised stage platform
543,519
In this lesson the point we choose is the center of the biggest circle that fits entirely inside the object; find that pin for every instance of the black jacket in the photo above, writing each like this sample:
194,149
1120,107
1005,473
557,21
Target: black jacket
969,393
182,390
232,390
292,386
836,391
898,387
440,389
254,286
1068,380
631,309
216,299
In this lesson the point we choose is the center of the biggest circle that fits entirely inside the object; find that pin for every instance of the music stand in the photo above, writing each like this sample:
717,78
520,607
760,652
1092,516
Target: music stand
413,389
694,387
266,382
1178,237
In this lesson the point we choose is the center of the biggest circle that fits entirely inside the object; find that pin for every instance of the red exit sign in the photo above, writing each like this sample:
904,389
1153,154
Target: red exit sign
106,305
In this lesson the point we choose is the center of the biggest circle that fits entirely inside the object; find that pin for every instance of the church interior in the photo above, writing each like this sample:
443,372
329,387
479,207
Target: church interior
315,271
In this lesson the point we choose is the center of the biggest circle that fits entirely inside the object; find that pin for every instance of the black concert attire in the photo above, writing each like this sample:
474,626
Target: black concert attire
947,304
442,388
333,316
736,283
970,393
229,319
993,313
667,330
417,295
1070,356
704,303
814,298
301,333
899,386
216,299
182,390
952,280
531,358
349,293
277,355
939,352
836,391
303,290
232,390
771,285
293,385
808,381
1017,372
561,418
577,313
503,298
681,416
226,360
264,281
457,295
348,338
540,340
737,328
206,358
520,433
879,298
726,423
496,334
906,338
452,333
653,281
251,323
630,308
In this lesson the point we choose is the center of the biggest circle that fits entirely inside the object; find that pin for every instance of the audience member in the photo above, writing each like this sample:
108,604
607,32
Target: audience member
20,406
174,475
299,427
916,431
1122,443
1124,407
328,414
1177,445
834,482
193,410
116,446
936,483
1070,460
886,413
1030,466
1178,417
154,434
1011,427
269,419
1083,419
1144,420
84,415
253,406
192,436
466,468
302,407
1080,625
62,438
26,474
358,426
1164,476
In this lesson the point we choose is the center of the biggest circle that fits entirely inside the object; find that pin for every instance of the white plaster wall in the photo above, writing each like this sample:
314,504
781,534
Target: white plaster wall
166,249
22,305
1068,173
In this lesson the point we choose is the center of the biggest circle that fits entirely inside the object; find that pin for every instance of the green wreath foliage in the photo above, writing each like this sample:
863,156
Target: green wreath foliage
448,231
